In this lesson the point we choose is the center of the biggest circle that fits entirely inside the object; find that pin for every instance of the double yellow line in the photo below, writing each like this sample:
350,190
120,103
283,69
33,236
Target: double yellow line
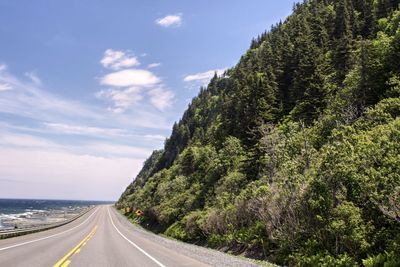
65,261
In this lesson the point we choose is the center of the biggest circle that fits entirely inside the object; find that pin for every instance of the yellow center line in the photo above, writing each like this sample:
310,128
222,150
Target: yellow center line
65,261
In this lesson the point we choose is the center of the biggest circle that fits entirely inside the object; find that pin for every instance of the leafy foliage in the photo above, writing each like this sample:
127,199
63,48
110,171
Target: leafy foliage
293,154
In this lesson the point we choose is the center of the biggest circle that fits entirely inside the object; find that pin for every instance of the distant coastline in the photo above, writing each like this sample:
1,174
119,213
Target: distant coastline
25,213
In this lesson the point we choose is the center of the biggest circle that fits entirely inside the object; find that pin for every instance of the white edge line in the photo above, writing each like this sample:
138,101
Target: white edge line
47,237
133,244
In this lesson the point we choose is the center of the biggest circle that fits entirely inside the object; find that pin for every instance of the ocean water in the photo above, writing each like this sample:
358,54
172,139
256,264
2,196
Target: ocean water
22,208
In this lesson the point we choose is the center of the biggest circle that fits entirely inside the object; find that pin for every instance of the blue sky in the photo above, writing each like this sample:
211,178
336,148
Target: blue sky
89,88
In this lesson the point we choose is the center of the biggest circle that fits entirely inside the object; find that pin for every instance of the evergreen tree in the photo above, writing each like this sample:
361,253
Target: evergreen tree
343,38
291,155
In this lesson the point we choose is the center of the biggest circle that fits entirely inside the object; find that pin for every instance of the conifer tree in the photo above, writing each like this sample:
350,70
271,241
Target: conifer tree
343,38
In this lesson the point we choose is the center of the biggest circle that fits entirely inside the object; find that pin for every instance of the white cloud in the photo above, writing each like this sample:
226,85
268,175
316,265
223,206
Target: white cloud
119,150
28,101
153,65
35,79
170,20
155,137
129,86
118,59
145,118
3,67
130,77
85,130
122,98
27,141
94,148
161,98
5,87
203,77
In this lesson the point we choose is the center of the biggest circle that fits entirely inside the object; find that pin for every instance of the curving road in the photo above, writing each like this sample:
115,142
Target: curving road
99,238
103,237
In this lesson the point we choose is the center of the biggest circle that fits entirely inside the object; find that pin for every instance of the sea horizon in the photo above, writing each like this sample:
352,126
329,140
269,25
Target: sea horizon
17,210
58,199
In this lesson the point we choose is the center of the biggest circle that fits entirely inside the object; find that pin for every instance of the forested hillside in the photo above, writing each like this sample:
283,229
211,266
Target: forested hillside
293,155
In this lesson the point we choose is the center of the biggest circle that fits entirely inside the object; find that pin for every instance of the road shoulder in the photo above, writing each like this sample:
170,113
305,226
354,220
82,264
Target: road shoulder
202,254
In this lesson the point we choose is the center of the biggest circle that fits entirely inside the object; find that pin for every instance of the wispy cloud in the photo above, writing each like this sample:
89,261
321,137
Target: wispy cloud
170,20
203,77
28,100
3,67
87,131
153,65
116,60
34,78
29,136
122,99
27,141
84,130
155,137
161,98
5,87
94,148
119,150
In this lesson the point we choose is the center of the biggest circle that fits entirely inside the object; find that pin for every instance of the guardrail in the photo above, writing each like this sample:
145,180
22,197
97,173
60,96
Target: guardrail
24,231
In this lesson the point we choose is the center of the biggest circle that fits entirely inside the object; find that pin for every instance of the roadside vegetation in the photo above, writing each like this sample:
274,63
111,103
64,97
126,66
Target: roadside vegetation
293,155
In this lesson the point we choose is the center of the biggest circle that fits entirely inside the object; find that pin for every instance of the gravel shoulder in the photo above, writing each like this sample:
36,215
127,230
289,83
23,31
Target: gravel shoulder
206,255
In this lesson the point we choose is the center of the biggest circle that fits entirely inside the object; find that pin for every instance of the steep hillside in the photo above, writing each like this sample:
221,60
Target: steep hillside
293,155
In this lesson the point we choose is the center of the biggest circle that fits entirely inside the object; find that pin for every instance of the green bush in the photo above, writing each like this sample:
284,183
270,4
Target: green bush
177,231
387,259
321,259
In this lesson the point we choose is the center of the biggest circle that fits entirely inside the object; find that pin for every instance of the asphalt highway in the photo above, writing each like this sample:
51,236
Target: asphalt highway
98,238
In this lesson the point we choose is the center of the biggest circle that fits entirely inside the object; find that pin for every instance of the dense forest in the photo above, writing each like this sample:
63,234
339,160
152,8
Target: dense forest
293,155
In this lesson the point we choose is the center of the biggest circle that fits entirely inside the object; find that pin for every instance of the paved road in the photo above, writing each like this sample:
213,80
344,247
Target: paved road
99,238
